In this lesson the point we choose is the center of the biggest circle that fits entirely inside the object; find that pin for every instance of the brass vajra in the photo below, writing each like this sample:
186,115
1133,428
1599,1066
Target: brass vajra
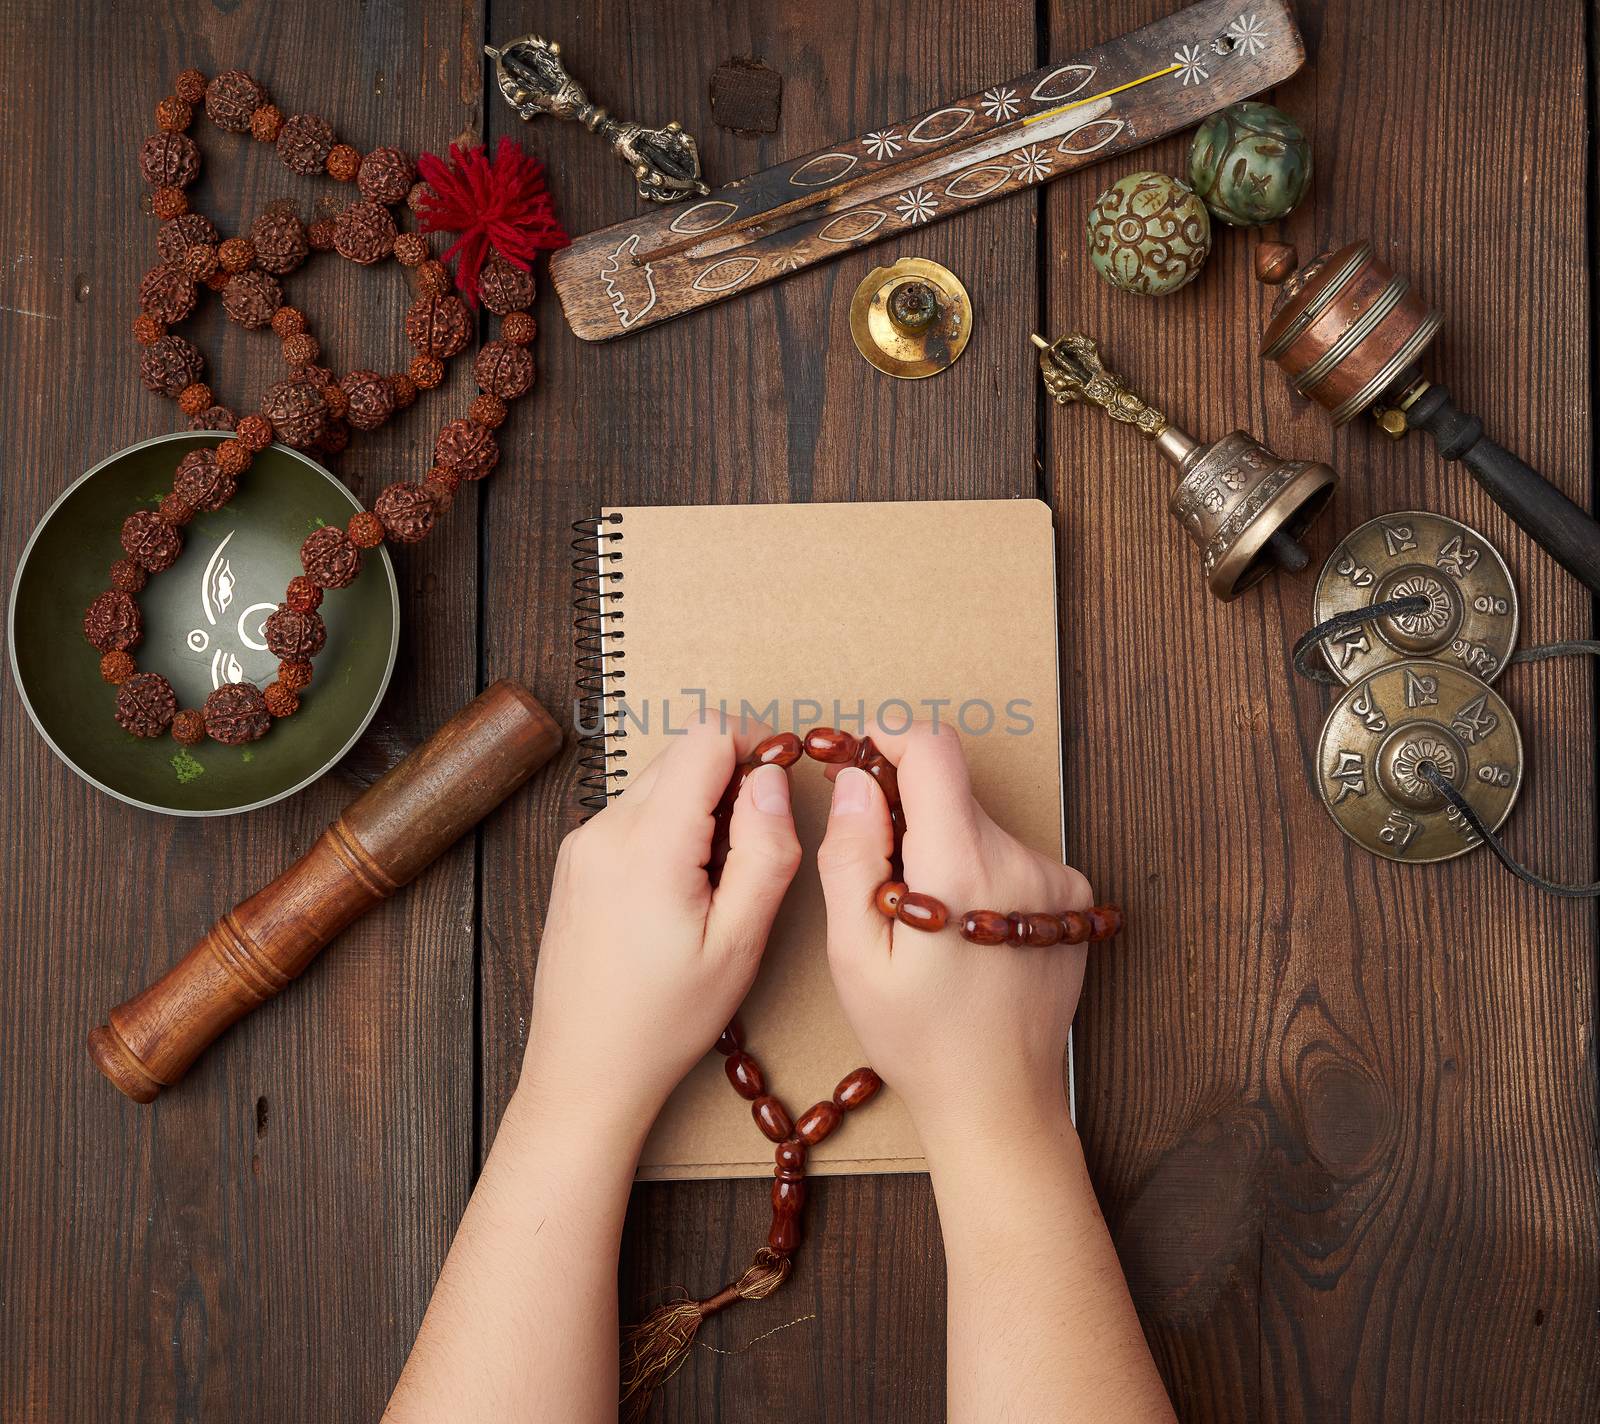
1073,371
665,161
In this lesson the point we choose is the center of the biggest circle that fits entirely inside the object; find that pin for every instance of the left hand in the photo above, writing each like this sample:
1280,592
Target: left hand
643,963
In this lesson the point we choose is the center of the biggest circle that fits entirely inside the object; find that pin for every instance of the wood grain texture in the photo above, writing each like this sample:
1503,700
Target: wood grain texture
1342,1112
256,1246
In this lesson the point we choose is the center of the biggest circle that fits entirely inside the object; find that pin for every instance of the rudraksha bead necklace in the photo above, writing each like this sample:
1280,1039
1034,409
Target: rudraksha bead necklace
311,409
656,1347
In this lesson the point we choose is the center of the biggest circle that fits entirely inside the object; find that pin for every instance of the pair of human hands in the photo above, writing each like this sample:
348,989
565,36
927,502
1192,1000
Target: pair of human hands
641,950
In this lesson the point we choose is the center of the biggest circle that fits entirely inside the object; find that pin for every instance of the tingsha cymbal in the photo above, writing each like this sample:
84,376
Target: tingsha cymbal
1389,730
912,319
1471,615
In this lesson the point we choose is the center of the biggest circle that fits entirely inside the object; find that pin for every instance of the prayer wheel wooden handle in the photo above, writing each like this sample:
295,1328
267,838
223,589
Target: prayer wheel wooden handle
383,840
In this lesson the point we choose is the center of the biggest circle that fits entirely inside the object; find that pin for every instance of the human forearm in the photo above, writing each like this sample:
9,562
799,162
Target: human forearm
1040,1322
523,1323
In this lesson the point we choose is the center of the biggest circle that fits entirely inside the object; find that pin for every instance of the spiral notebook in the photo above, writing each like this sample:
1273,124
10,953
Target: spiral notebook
805,615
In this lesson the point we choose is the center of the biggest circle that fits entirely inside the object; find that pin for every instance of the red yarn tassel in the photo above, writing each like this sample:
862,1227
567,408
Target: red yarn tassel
501,206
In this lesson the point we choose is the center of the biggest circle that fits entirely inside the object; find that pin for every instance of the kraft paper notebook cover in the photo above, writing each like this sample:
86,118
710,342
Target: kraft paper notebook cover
947,606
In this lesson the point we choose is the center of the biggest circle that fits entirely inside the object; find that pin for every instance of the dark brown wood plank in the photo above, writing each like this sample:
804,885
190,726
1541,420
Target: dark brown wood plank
763,398
1342,1112
259,1244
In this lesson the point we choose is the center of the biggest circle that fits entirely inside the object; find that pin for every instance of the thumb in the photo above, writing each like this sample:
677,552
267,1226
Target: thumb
763,855
853,862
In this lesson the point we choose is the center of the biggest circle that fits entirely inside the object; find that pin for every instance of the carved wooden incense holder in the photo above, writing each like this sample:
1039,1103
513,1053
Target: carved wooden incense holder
1125,93
383,840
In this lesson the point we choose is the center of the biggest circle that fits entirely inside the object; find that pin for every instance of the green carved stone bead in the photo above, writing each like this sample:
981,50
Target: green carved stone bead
1148,234
1251,163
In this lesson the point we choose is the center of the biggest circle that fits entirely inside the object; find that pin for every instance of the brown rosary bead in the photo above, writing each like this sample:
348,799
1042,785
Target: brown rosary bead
189,728
856,1088
504,287
832,747
1019,929
984,927
781,750
174,114
922,912
190,86
343,163
788,1194
745,1074
1045,930
731,1038
266,123
231,98
167,293
791,1155
169,160
1074,928
785,1233
304,143
772,1118
117,667
280,242
1104,922
251,297
816,1122
168,364
168,203
386,175
364,233
127,576
113,622
889,896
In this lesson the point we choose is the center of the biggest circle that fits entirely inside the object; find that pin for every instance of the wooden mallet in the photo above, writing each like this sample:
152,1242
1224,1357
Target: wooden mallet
384,839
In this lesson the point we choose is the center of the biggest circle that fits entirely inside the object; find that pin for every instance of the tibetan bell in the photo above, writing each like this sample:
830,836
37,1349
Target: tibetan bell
1245,507
1350,333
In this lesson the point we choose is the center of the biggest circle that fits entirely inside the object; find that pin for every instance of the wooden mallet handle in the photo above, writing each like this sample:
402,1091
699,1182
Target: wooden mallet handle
385,838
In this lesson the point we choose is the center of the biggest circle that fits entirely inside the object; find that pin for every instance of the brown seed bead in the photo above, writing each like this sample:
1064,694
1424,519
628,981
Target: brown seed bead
1044,930
236,713
279,238
772,1118
780,750
411,249
921,912
250,298
189,728
256,432
338,401
168,203
488,411
504,369
194,398
298,411
213,417
365,530
170,363
343,163
433,280
856,1088
419,194
146,705
319,235
190,86
218,280
234,457
889,896
167,292
835,748
1019,929
117,666
788,1195
146,329
287,322
504,287
1104,922
266,123
745,1074
438,325
292,635
302,349
731,1039
441,480
816,1122
150,542
200,261
364,233
127,576
174,115
370,399
791,1155
386,175
113,623
202,482
405,390
984,927
426,372
182,233
232,98
169,160
174,510
784,1235
329,558
468,449
406,511
304,143
236,254
303,595
1074,927
295,674
335,438
876,765
519,328
281,701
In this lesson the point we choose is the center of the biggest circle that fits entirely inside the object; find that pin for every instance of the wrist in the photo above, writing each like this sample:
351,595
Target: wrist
582,1109
992,1119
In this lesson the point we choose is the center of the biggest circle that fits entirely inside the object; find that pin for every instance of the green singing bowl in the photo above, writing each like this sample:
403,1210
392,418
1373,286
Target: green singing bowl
202,628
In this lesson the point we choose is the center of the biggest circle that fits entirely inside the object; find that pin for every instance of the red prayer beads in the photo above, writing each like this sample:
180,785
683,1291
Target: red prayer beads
313,409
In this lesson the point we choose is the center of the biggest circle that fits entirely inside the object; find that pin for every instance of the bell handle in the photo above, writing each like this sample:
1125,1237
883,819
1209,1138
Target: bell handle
1564,530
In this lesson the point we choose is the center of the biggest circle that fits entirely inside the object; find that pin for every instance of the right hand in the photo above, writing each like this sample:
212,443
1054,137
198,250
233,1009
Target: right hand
972,1037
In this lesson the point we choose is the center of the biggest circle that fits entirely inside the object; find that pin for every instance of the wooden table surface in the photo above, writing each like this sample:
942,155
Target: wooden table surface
1341,1114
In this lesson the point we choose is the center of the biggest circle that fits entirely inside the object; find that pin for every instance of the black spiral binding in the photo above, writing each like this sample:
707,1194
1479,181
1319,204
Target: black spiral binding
596,594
